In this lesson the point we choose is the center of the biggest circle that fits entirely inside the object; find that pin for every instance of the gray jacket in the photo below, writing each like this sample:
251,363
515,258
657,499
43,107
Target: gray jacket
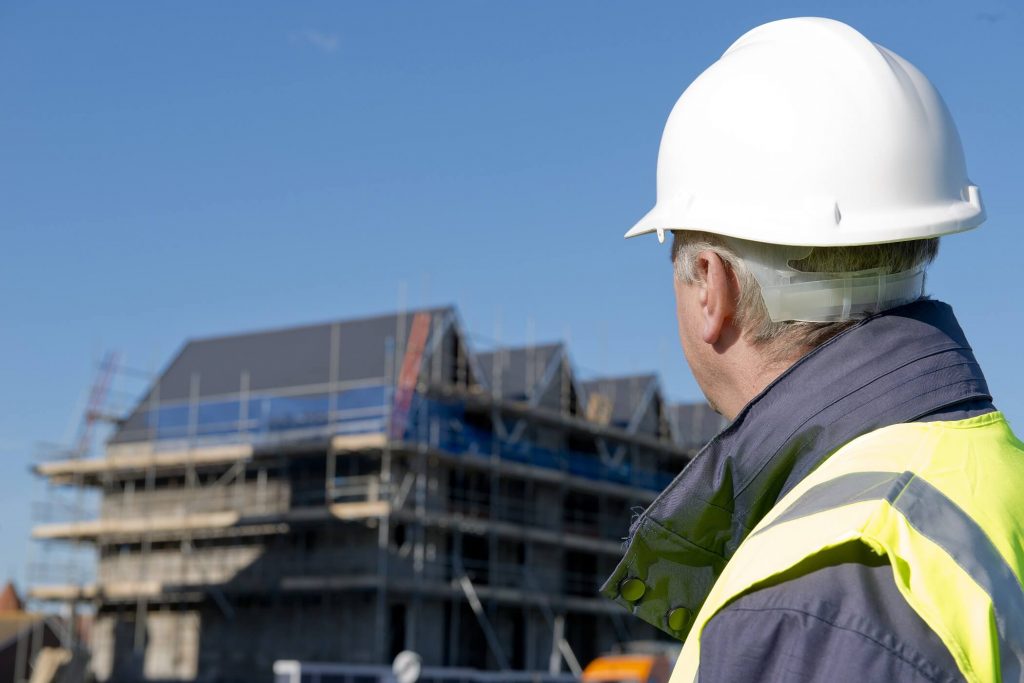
843,620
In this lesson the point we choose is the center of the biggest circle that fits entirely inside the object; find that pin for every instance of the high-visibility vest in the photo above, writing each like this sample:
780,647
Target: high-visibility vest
944,501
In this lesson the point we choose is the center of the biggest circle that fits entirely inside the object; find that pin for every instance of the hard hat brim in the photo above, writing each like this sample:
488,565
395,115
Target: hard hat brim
643,226
816,225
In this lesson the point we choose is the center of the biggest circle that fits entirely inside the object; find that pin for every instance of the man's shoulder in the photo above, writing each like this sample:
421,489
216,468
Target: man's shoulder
843,620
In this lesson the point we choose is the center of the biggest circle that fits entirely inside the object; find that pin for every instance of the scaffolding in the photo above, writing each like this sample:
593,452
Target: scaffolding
344,491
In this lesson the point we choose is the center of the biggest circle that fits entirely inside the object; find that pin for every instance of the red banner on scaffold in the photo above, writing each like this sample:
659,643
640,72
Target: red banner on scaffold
409,374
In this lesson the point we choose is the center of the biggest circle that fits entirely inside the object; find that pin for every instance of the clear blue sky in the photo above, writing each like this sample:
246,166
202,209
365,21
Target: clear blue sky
172,170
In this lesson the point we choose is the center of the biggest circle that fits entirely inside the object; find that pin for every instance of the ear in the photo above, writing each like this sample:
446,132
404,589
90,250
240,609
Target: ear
717,296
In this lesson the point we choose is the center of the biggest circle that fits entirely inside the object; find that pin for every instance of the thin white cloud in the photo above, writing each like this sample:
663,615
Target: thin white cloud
322,41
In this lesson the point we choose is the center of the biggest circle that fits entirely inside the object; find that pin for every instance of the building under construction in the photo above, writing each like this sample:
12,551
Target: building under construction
344,491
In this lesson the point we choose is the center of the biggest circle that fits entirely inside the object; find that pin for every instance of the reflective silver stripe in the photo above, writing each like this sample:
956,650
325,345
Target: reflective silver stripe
846,489
943,522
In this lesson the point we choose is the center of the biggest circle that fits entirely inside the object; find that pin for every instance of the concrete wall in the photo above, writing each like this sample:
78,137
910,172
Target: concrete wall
429,637
102,647
244,645
547,505
544,563
172,566
248,497
125,659
172,645
538,641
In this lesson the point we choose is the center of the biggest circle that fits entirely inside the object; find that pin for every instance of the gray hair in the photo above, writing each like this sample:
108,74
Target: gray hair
783,338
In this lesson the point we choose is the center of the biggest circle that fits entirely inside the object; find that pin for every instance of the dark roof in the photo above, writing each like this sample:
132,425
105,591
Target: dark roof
694,424
508,368
278,359
281,358
624,393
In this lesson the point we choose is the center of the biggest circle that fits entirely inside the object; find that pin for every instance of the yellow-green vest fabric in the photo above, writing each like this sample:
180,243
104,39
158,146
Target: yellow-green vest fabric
944,501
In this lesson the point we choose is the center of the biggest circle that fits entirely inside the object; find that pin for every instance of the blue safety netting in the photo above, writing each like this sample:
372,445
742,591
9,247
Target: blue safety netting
443,424
440,424
362,409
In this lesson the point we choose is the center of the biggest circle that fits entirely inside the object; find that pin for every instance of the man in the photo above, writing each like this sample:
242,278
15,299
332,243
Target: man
860,518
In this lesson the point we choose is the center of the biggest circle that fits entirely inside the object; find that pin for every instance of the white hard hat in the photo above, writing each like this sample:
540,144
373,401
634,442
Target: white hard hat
806,133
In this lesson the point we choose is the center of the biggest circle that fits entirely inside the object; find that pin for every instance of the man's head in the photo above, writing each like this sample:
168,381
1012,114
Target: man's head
807,174
731,343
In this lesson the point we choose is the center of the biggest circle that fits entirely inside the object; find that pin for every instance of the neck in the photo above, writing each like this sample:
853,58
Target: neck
747,373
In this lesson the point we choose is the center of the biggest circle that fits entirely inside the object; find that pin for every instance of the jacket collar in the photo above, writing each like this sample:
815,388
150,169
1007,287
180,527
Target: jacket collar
898,366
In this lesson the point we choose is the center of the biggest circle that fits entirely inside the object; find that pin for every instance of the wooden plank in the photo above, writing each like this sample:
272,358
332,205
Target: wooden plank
145,458
361,510
139,525
358,442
